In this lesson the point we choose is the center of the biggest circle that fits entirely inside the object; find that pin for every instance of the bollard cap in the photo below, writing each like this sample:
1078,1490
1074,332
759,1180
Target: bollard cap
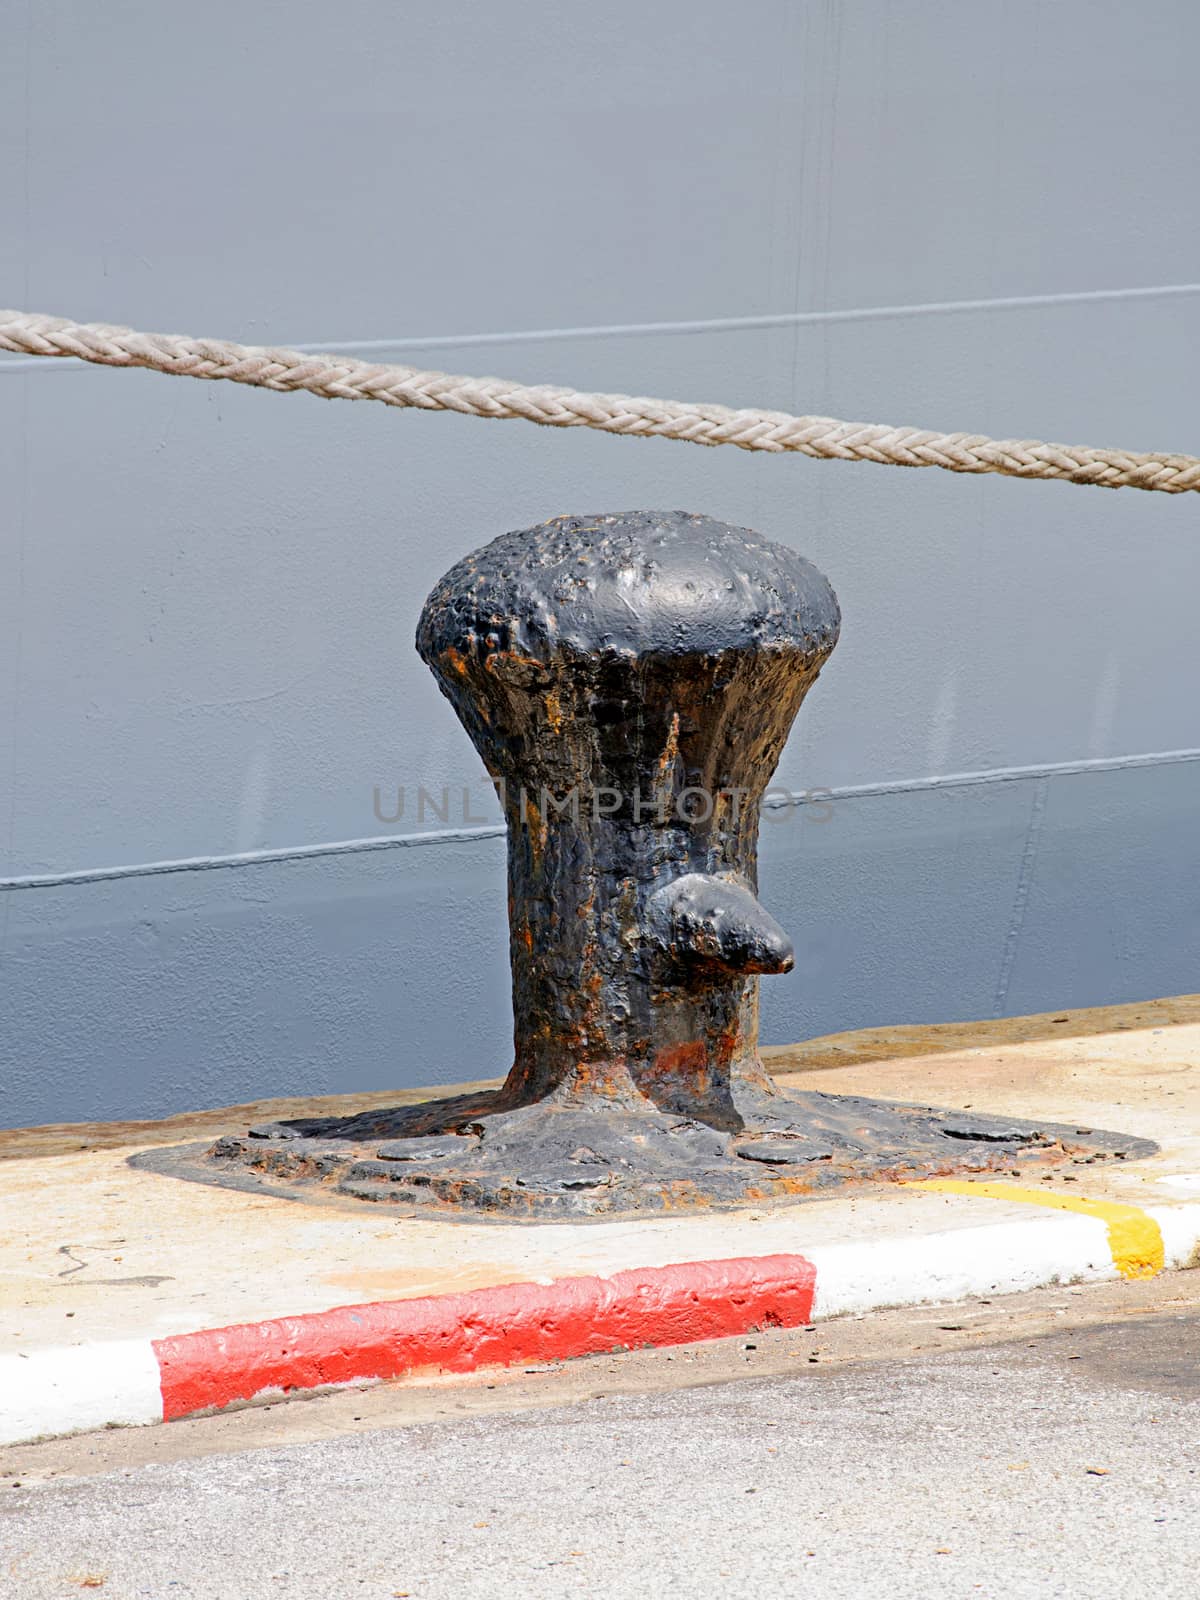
634,583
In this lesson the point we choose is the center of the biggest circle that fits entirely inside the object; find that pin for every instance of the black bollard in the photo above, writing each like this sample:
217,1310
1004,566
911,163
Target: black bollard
629,682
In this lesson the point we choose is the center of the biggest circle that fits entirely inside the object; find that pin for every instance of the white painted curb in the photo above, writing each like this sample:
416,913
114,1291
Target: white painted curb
74,1388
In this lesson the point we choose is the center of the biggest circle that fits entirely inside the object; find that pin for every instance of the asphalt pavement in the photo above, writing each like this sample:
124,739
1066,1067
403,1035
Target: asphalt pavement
1062,1464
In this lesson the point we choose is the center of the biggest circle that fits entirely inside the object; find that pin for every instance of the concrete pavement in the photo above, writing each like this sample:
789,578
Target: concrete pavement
97,1257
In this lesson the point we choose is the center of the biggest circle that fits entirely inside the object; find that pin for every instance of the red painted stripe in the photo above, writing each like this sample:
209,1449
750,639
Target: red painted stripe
459,1332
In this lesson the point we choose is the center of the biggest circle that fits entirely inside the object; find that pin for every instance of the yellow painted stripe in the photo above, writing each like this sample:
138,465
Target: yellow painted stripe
1134,1238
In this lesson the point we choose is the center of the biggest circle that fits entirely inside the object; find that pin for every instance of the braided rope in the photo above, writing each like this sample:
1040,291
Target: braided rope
342,378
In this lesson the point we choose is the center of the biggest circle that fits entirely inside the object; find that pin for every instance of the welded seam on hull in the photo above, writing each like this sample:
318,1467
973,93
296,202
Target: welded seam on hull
1012,938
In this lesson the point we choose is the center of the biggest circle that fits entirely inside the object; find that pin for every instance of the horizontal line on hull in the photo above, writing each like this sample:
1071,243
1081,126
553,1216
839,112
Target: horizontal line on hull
779,800
642,330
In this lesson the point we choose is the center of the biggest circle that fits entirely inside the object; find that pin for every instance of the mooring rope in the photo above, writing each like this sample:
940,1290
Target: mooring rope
343,378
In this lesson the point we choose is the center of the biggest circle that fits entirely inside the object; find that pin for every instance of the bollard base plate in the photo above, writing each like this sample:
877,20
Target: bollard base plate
479,1155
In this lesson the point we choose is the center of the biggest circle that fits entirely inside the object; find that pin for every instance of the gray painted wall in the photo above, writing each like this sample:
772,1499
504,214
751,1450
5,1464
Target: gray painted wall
208,594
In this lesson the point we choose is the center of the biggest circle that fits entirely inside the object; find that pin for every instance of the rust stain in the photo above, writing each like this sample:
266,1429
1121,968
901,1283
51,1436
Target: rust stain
554,711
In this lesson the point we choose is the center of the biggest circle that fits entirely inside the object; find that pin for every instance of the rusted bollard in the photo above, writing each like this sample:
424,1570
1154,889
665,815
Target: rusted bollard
629,682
